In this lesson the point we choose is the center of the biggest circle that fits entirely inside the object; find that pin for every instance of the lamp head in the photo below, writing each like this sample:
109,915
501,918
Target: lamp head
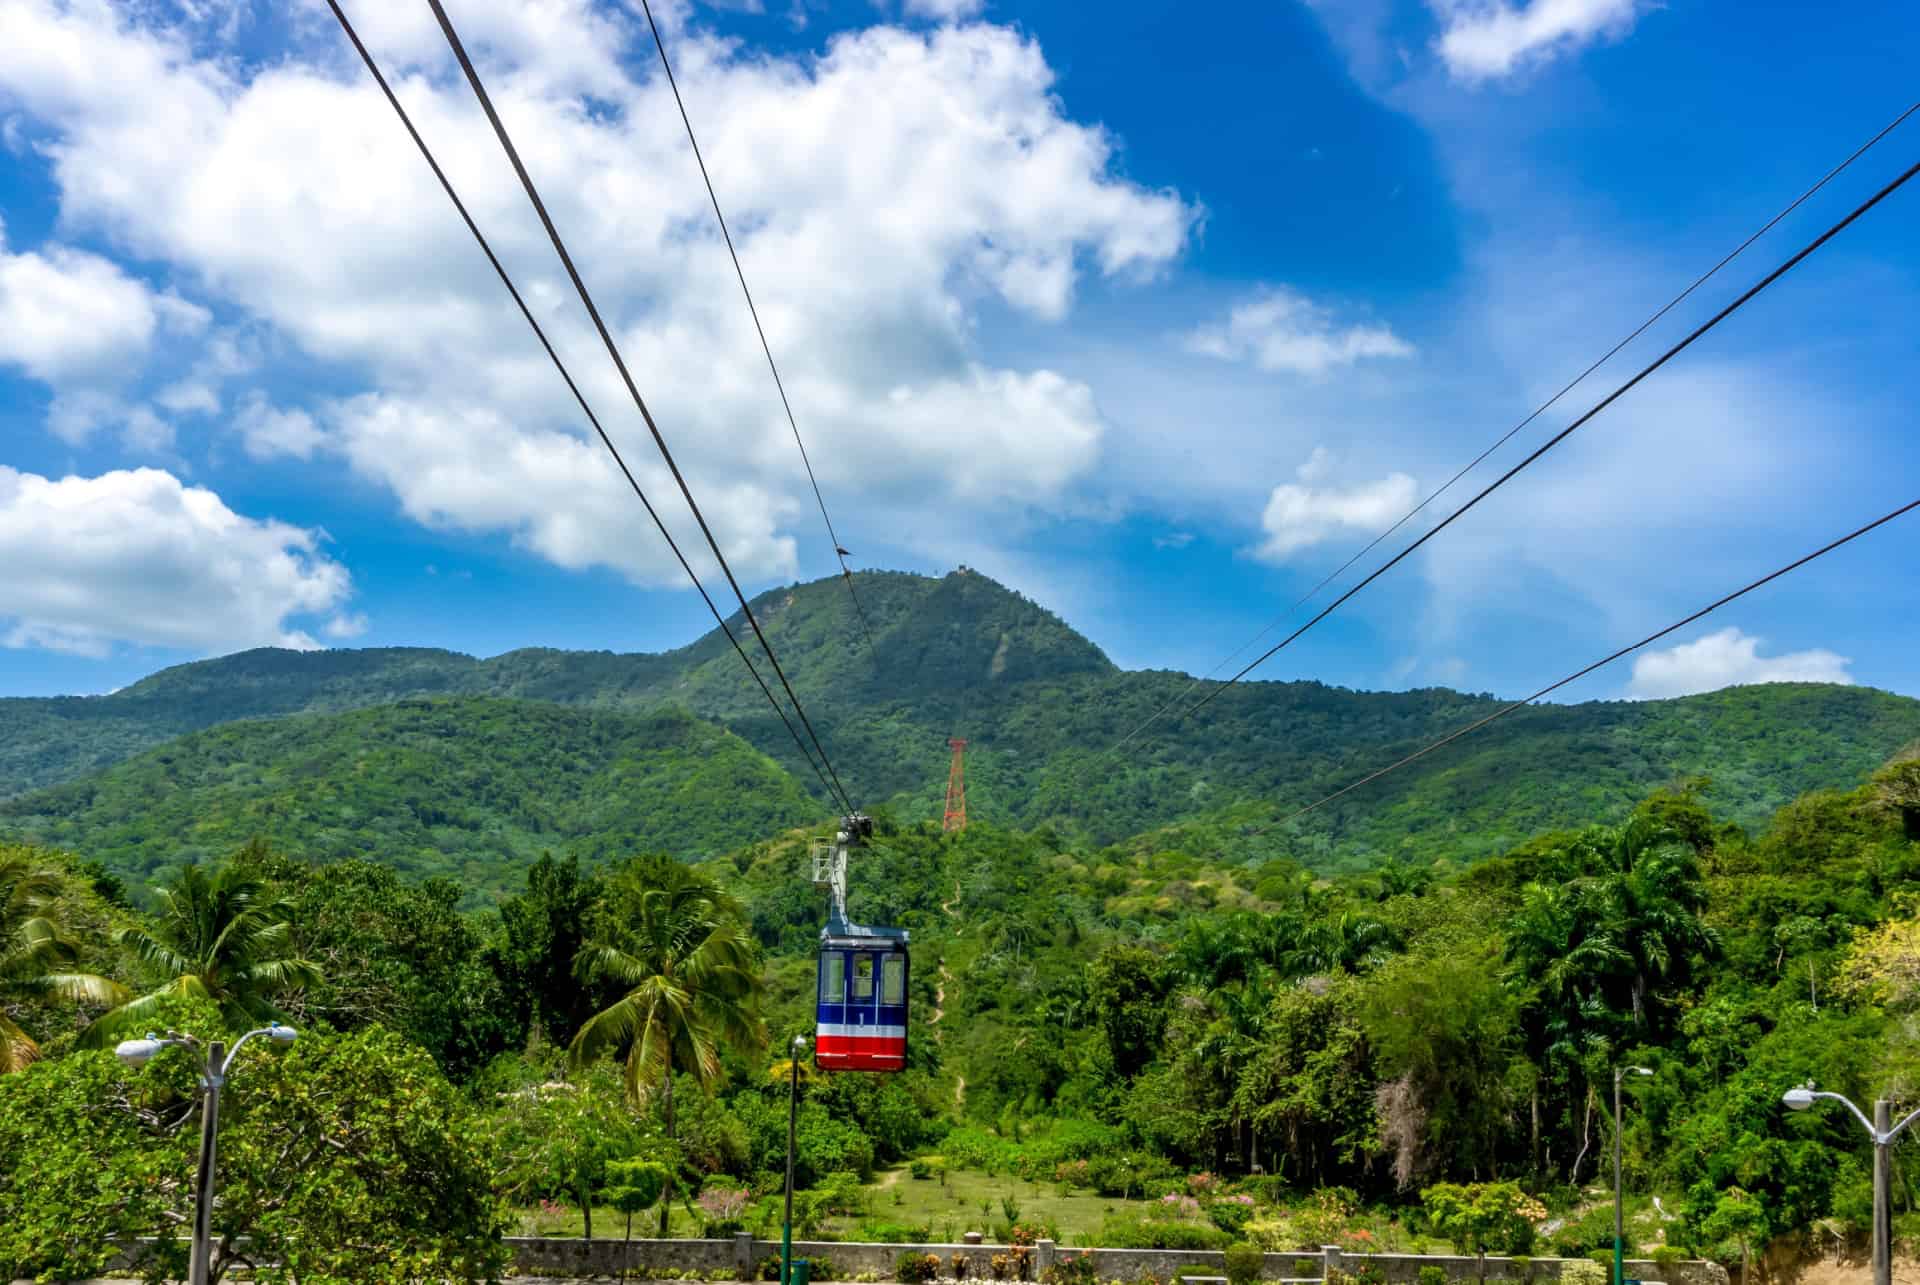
1638,1070
138,1052
799,1046
282,1034
1798,1099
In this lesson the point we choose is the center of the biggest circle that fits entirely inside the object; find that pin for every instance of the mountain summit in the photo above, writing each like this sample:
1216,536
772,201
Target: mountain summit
960,655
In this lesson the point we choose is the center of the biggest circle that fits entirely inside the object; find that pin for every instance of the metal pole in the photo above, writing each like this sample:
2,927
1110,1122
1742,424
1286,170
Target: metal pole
1882,1205
212,1075
793,1112
1619,1257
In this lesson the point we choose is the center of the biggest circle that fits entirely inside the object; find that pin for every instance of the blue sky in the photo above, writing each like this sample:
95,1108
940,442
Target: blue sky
1155,312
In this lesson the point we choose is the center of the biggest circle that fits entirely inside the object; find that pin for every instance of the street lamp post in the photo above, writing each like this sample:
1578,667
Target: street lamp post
799,1050
1883,1132
1619,1214
218,1060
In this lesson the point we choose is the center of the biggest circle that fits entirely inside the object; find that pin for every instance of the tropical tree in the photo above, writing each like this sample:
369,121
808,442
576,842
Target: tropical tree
35,954
681,952
217,937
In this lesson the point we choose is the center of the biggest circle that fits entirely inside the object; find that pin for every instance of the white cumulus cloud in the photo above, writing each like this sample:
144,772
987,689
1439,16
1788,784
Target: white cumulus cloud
267,430
1729,658
1301,514
66,313
137,556
872,239
1281,329
1491,39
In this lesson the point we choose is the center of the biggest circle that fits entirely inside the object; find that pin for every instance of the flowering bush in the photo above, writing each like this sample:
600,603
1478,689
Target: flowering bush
1359,1241
1175,1205
1071,1269
1203,1184
1328,1214
1074,1173
1025,1234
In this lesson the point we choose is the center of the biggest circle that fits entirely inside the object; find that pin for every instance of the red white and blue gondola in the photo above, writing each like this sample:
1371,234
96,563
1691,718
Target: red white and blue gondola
862,1002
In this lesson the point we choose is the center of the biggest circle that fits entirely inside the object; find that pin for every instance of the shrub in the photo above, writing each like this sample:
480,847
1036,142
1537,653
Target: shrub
1244,1263
1483,1217
1071,1269
1128,1176
959,1265
1581,1271
916,1269
1604,1258
1325,1216
1668,1255
769,1269
1581,1236
1130,1231
922,1169
894,1233
1431,1275
1231,1214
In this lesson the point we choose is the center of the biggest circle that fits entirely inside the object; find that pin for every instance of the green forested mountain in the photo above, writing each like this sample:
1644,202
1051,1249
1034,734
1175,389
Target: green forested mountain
959,655
474,788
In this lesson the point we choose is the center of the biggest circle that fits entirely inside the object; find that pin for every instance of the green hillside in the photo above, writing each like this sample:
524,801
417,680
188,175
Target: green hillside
474,788
958,655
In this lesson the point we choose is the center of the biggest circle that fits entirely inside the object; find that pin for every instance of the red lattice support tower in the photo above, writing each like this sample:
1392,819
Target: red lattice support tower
956,817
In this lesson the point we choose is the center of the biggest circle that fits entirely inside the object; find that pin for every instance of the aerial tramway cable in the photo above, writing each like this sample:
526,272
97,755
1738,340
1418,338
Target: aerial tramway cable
539,333
626,376
833,536
1578,674
1568,431
1187,691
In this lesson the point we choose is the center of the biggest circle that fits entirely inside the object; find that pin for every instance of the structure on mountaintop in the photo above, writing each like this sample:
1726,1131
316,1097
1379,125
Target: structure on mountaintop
956,817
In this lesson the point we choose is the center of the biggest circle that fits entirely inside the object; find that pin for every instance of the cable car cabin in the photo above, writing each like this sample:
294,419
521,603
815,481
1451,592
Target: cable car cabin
862,1009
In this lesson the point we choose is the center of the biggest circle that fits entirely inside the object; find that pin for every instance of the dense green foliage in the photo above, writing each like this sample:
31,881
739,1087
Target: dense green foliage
1416,997
476,788
348,1158
38,954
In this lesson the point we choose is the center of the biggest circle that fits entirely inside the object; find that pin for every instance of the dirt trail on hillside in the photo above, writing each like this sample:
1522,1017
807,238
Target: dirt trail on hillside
940,1000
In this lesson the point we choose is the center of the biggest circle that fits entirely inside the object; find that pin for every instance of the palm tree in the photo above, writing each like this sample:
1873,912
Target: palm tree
681,951
1649,891
217,937
32,945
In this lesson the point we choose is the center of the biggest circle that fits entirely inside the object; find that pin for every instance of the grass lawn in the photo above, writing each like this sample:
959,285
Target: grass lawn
948,1209
953,1207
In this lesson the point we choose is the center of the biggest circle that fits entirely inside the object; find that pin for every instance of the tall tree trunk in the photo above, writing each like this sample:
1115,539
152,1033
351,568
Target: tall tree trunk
666,1191
1586,1132
1533,1149
586,1203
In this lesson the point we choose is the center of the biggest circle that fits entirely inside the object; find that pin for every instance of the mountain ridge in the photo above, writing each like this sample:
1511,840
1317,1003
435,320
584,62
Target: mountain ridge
1040,704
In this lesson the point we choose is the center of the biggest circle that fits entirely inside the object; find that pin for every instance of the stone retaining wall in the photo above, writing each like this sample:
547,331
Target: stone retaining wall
741,1255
